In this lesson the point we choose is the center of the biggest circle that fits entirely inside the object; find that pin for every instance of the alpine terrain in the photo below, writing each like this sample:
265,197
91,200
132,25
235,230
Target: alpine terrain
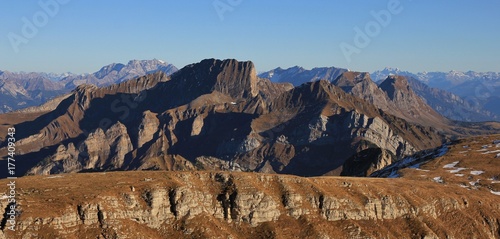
215,151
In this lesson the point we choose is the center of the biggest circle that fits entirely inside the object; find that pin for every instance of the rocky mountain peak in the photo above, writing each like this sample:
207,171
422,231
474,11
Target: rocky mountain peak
106,70
408,103
394,84
236,75
231,77
84,94
319,90
349,79
85,88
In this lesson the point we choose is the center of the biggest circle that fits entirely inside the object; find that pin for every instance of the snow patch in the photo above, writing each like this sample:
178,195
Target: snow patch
496,193
438,179
423,170
474,183
476,172
459,175
491,152
451,165
57,176
410,162
457,170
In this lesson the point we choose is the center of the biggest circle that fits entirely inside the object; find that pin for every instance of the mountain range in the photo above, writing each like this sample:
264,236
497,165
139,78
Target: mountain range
472,101
219,114
476,94
21,90
462,96
297,75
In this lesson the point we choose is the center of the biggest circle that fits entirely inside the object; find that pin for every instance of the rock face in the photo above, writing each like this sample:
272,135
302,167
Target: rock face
101,150
239,205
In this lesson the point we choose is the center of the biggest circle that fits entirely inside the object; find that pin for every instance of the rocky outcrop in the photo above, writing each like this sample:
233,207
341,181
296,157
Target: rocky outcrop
101,150
361,85
155,204
148,127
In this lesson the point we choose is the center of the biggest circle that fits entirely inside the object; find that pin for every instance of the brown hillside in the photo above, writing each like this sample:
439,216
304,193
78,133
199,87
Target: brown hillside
247,205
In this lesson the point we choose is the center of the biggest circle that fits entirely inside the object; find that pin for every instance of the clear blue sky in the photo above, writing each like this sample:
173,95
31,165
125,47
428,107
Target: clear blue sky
87,34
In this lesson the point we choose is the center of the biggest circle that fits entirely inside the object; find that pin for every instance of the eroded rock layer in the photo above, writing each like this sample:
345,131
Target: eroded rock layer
246,205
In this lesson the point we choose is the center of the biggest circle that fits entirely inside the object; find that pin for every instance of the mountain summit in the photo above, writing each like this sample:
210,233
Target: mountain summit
298,75
117,73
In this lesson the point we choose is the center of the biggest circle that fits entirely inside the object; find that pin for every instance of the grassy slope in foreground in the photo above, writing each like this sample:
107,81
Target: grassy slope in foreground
471,165
247,205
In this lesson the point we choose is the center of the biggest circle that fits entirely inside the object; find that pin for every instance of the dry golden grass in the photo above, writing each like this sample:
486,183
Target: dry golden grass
50,196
